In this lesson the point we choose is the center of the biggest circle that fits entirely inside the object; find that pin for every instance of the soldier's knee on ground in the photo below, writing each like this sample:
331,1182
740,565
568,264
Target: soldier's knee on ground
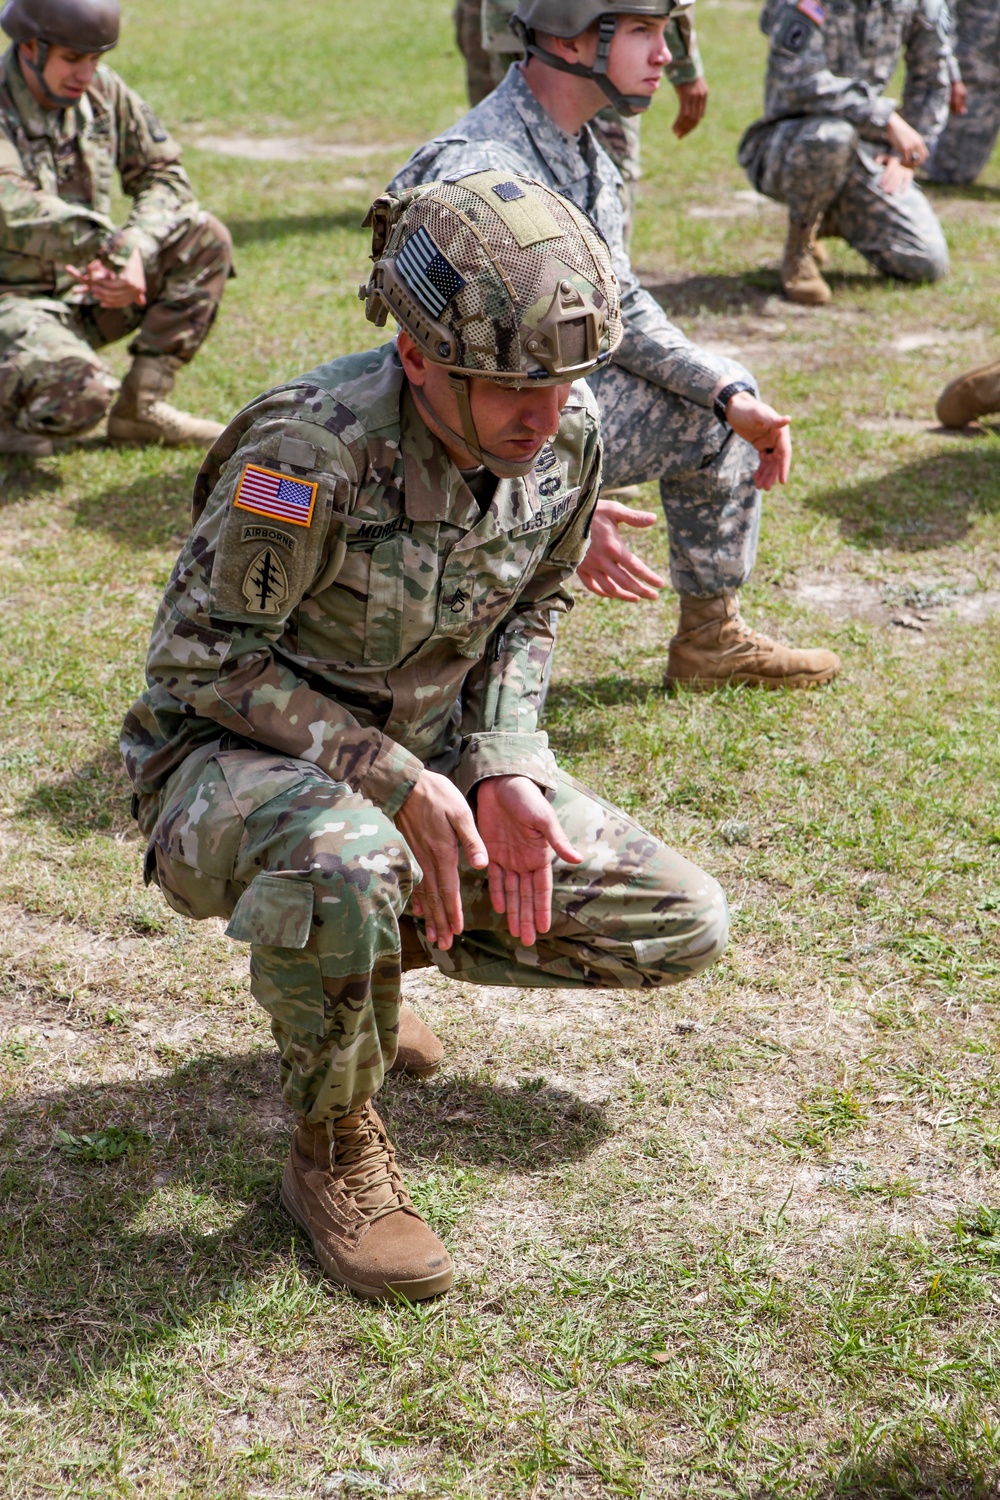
64,398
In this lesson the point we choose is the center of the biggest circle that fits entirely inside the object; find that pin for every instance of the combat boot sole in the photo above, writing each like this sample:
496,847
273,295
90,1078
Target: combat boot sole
418,1290
750,679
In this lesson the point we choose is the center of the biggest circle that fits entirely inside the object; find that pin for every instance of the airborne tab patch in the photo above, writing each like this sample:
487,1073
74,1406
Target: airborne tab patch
278,496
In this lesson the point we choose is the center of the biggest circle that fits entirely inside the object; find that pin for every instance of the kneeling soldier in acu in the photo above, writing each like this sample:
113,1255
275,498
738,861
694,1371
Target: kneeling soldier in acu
338,749
70,281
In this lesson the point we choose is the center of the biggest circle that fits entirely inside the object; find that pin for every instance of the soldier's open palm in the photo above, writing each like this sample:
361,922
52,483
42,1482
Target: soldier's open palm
521,834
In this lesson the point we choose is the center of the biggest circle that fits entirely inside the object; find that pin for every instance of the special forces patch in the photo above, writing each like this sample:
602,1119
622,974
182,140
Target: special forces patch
265,584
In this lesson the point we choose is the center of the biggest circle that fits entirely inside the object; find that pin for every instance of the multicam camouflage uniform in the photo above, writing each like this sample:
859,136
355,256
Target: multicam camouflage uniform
965,144
489,46
656,397
302,674
825,116
56,169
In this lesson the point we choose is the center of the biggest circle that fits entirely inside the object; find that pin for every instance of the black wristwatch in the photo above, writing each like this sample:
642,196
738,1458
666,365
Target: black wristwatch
727,393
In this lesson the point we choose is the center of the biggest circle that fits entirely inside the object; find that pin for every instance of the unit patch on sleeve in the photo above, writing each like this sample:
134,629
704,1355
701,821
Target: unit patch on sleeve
278,496
798,24
265,584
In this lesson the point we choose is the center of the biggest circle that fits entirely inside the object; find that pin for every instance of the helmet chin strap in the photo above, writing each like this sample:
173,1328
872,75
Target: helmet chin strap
626,104
468,438
37,66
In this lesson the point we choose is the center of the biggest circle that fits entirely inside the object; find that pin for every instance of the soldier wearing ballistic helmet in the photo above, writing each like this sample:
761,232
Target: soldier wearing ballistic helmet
669,410
70,280
338,748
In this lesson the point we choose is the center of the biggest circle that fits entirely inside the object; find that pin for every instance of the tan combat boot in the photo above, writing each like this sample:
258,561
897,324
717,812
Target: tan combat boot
818,250
972,395
419,1052
342,1186
714,646
141,415
800,275
30,444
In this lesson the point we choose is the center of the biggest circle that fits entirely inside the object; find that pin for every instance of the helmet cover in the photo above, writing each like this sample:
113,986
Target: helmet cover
495,275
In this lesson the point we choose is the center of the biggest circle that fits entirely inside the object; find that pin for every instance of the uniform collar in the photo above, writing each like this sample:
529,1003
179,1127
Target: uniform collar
434,490
57,124
566,156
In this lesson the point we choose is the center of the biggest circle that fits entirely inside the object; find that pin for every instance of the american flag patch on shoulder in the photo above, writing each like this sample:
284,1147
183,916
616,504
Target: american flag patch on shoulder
813,10
268,493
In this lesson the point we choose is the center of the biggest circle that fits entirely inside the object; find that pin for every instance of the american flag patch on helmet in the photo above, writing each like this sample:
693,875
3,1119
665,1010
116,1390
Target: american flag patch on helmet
431,277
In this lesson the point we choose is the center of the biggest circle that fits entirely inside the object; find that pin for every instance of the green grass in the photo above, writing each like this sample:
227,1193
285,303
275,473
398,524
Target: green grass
740,1239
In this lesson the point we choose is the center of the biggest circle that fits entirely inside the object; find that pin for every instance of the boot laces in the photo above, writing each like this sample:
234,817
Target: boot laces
365,1165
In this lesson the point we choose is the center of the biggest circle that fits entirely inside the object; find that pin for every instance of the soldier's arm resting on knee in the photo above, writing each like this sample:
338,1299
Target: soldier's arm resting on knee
40,225
149,164
799,82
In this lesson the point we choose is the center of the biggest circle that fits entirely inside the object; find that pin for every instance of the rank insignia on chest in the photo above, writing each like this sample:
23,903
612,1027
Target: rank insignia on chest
279,496
265,584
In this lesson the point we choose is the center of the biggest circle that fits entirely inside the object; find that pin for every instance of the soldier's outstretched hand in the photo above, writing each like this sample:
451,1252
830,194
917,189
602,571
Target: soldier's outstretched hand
768,432
610,569
522,834
435,820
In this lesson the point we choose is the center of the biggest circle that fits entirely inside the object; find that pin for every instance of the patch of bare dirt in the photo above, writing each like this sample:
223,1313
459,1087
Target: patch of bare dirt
917,604
296,148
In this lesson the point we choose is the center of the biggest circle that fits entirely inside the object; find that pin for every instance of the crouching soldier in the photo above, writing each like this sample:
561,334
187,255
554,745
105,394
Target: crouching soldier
70,281
337,750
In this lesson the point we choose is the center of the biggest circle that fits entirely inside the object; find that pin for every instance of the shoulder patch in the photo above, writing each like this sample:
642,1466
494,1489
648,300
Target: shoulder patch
265,584
153,125
797,24
268,493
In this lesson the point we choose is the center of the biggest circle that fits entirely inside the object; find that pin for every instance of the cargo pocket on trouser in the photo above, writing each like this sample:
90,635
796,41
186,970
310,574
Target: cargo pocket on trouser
274,915
198,834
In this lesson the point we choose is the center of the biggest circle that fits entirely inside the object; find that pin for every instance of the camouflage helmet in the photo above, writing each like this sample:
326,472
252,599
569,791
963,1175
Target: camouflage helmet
80,25
495,276
565,18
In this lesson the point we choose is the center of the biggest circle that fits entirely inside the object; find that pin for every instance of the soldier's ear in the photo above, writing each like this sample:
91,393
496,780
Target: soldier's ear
412,359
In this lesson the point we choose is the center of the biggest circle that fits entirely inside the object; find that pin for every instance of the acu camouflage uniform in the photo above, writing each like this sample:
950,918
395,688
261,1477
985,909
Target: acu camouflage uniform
965,144
655,398
302,674
825,116
56,170
489,46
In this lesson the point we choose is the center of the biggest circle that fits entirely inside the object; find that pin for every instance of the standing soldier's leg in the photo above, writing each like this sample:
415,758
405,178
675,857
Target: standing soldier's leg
712,508
483,70
184,290
898,233
313,878
806,166
966,143
52,384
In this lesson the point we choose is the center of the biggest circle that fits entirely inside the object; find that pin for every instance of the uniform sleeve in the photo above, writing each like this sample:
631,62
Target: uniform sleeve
929,60
799,76
41,225
653,347
241,575
506,687
686,65
149,163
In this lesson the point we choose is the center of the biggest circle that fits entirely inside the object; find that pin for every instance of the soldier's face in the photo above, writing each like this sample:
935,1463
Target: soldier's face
67,75
513,424
638,54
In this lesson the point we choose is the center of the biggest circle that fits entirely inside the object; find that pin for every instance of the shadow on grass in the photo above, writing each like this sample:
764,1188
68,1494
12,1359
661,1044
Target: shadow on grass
749,292
917,1474
287,226
90,798
924,504
101,1262
25,479
979,192
151,512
